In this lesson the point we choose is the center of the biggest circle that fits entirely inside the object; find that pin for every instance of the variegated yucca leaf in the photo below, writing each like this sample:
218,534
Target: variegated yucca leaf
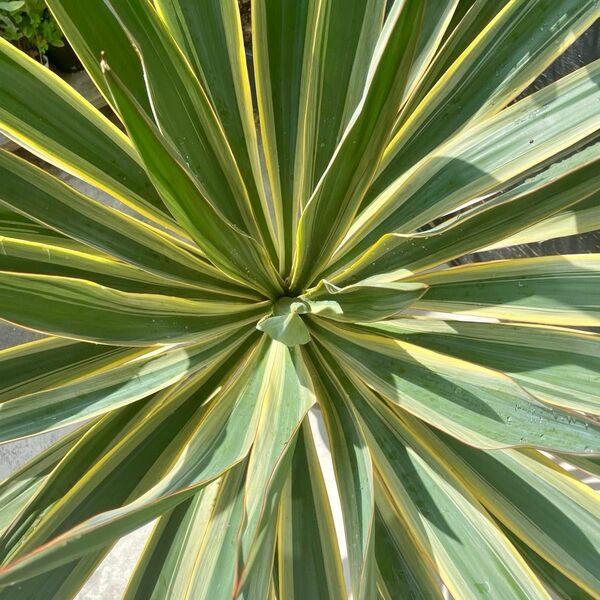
273,276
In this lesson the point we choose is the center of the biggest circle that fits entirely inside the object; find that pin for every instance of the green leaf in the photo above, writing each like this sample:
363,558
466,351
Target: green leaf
182,112
483,159
258,581
17,490
401,568
478,406
540,503
191,551
554,290
559,585
48,117
353,475
567,183
237,254
12,6
46,199
96,380
468,21
92,29
434,24
48,255
305,258
62,481
309,559
210,35
522,39
447,523
334,72
362,302
580,218
286,401
282,32
109,471
79,309
310,74
336,199
14,224
48,362
64,582
558,366
197,444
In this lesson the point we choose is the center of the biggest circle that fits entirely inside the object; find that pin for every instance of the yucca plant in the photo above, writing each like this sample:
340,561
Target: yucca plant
240,281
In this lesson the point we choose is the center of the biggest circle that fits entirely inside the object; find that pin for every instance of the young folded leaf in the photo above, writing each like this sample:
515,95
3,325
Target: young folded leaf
285,324
362,302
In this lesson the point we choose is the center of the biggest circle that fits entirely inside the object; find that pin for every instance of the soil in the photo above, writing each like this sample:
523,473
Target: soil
245,11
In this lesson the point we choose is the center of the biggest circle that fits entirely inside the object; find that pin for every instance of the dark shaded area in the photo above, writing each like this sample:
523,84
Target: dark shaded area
245,13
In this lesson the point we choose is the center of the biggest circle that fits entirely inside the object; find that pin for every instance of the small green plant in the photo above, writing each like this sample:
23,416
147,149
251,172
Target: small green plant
242,283
30,26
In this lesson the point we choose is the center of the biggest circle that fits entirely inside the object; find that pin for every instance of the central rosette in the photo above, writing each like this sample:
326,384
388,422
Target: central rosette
359,303
285,323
